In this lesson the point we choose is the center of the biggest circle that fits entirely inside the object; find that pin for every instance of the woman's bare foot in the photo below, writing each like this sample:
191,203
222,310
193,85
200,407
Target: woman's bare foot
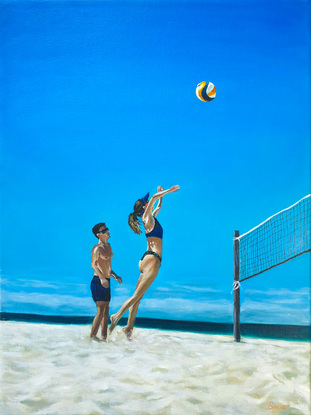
128,333
114,320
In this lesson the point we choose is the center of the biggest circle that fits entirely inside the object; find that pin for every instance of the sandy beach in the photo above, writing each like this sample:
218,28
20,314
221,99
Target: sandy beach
56,369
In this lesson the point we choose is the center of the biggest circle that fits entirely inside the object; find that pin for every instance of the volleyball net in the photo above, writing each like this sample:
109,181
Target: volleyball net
278,239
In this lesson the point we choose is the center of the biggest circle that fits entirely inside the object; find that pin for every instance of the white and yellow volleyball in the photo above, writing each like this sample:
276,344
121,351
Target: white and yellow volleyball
206,91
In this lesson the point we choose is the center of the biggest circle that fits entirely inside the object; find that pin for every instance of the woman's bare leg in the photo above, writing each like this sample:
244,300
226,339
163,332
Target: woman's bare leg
133,310
147,279
128,329
132,315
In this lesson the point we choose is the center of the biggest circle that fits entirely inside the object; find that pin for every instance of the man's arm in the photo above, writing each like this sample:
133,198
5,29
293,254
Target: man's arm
116,277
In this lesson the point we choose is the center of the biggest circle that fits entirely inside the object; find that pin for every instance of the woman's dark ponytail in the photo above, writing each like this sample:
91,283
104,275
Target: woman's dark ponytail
133,220
134,223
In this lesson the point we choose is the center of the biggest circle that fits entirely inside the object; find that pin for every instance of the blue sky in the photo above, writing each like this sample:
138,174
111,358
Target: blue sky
99,107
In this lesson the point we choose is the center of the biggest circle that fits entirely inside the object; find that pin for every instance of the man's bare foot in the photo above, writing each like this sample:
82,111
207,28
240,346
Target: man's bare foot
128,333
114,322
95,339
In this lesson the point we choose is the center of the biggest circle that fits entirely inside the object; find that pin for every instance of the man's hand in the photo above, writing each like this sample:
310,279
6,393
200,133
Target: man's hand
104,283
119,279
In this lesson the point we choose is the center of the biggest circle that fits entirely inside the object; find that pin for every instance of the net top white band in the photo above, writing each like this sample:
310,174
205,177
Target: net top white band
246,233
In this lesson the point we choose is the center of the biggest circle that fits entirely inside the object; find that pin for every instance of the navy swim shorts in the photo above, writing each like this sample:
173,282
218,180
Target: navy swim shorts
100,293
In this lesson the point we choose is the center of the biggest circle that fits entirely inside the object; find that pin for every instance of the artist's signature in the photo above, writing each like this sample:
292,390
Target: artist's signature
272,406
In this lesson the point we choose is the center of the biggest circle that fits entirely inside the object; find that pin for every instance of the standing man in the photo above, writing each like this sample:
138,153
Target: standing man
100,285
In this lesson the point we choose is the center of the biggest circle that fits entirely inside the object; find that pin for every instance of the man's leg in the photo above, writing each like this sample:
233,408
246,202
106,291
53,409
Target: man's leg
104,322
98,318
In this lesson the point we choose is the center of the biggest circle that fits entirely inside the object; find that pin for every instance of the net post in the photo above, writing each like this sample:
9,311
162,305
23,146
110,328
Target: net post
236,304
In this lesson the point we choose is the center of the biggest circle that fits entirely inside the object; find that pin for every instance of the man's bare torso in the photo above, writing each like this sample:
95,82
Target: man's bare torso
101,260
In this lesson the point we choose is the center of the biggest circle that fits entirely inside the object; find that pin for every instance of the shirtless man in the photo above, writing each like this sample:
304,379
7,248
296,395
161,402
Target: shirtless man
100,285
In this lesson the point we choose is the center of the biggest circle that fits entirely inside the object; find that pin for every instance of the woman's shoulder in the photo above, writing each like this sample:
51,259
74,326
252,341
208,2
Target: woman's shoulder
147,218
149,223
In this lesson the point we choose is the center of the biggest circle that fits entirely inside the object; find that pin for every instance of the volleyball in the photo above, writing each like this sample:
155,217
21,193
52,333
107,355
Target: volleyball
206,91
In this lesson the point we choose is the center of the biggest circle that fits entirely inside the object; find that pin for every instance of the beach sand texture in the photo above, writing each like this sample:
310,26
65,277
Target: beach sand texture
56,369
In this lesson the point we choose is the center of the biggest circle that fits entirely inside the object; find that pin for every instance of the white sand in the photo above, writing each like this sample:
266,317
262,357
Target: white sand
56,369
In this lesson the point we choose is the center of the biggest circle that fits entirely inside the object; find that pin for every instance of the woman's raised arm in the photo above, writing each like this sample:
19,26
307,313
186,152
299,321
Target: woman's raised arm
159,205
155,197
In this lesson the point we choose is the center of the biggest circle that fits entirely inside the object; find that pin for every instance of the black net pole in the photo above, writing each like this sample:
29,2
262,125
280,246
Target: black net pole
236,304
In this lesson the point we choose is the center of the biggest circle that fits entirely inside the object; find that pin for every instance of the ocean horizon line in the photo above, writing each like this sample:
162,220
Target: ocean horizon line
273,331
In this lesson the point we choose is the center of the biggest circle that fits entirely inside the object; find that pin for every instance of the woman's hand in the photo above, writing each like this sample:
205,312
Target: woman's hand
174,188
147,216
159,188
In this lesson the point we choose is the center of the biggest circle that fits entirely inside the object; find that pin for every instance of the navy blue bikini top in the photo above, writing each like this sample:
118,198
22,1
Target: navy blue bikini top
157,231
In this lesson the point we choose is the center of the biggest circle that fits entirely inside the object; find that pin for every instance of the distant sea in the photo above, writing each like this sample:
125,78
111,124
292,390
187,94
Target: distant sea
271,331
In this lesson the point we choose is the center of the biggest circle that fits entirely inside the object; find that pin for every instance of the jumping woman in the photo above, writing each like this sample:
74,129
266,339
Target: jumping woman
150,263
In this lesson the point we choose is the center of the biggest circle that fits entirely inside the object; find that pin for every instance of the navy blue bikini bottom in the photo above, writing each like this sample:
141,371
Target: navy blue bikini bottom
151,253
